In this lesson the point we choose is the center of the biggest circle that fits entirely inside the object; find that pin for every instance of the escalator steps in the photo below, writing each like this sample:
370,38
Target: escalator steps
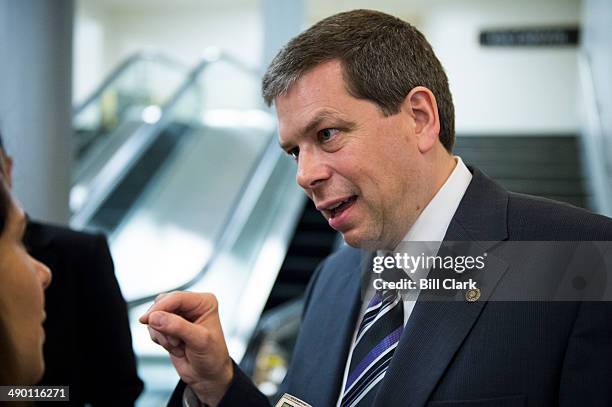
312,241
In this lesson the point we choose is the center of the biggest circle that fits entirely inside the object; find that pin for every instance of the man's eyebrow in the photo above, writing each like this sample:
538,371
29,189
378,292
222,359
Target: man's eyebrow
326,115
316,122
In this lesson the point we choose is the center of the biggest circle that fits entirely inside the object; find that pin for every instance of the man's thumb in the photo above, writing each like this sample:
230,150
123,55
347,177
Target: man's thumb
175,326
158,320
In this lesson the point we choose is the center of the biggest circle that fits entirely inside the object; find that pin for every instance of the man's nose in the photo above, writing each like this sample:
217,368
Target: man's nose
312,170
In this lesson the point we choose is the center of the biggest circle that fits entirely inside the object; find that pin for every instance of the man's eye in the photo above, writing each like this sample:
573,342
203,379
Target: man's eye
327,134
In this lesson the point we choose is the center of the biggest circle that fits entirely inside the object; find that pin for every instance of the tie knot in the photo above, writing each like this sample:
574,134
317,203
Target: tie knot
385,296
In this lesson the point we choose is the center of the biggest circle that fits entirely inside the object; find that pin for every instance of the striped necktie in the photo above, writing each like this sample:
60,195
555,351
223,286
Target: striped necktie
376,340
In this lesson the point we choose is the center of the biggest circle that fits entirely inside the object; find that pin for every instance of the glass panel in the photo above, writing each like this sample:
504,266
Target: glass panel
166,215
241,276
131,92
133,96
214,162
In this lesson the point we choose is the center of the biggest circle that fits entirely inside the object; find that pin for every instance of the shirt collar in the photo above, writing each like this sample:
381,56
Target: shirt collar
432,223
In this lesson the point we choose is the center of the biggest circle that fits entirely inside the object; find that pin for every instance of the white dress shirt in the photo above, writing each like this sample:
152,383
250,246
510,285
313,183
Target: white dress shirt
430,226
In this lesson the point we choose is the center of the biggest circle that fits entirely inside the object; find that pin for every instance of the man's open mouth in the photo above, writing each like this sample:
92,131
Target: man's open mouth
341,206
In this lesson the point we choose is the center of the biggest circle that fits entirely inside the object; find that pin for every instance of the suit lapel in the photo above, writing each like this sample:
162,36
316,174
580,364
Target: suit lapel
335,305
437,327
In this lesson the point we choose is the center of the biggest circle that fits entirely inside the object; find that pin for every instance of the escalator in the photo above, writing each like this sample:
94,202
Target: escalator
206,150
126,103
546,165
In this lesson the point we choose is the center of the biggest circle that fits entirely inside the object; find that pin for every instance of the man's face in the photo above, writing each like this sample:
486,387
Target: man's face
363,170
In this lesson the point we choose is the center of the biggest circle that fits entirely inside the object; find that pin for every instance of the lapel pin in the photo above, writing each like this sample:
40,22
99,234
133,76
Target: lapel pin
472,295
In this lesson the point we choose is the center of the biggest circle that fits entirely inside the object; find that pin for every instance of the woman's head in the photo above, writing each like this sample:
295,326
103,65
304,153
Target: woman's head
22,284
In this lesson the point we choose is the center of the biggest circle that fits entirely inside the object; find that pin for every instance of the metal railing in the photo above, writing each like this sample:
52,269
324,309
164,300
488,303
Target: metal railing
239,214
122,162
130,152
118,72
250,191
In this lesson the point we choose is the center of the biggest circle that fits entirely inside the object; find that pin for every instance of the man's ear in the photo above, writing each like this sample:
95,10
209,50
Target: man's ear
421,103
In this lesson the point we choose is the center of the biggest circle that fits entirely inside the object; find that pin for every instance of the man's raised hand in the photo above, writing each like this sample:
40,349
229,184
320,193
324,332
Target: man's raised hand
187,325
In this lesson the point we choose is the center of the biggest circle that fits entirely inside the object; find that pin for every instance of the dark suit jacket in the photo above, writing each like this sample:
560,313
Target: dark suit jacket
88,344
468,354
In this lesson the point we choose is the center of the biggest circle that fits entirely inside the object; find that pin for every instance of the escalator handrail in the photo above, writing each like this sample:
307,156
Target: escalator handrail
239,215
248,196
120,164
119,70
250,190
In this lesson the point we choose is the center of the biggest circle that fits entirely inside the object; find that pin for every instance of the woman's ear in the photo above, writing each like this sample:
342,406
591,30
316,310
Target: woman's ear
421,105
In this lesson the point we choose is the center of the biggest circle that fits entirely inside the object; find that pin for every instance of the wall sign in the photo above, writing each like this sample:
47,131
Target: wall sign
530,37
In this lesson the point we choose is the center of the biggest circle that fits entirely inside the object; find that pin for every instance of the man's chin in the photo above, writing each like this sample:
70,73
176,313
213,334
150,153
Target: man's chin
366,242
352,239
357,240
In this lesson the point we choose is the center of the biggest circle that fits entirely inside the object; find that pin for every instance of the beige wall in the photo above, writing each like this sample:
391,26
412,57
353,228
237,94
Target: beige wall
496,90
180,29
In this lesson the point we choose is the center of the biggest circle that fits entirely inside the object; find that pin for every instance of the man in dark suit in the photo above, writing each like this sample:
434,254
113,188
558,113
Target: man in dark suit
364,108
88,344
